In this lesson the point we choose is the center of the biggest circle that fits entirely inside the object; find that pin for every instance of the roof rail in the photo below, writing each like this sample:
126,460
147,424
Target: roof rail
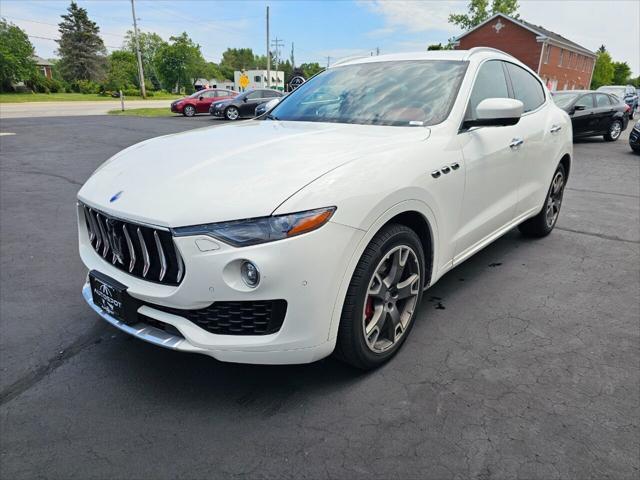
347,59
474,50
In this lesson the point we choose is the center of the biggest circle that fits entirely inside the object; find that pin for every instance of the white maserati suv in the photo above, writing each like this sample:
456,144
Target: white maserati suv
317,227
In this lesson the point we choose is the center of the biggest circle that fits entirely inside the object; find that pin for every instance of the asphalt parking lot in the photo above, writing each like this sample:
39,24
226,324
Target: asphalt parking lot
524,361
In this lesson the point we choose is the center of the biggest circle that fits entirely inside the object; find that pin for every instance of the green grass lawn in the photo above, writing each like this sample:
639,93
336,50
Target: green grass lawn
144,112
73,97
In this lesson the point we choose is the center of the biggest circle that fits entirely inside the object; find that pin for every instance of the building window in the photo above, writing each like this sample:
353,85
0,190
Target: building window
257,78
561,57
547,53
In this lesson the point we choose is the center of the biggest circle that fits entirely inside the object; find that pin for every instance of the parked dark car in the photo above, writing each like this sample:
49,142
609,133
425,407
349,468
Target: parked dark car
244,105
627,93
266,106
200,101
594,113
634,138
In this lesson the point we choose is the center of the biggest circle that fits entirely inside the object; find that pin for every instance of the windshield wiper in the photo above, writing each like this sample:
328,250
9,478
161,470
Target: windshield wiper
272,117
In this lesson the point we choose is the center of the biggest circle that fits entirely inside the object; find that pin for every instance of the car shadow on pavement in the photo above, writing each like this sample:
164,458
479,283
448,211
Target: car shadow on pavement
176,377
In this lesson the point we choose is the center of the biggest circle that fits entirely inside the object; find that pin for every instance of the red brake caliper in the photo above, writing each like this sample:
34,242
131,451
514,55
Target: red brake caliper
368,309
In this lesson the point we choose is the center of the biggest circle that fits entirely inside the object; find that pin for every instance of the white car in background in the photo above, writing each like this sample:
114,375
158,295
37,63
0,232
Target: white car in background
318,227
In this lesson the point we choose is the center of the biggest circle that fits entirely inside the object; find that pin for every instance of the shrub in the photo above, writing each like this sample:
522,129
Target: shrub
85,86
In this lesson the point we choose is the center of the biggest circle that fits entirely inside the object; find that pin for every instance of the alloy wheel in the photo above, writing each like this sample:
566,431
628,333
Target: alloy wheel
189,111
232,113
615,130
392,296
554,201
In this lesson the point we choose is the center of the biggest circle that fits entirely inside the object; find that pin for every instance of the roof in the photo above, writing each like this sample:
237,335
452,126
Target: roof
542,33
41,61
455,55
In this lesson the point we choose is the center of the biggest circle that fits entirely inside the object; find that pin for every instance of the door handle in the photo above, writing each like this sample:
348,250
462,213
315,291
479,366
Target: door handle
515,143
555,128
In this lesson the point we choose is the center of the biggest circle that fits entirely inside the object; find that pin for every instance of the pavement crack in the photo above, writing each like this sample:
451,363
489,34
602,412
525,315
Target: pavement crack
599,235
35,376
586,190
35,172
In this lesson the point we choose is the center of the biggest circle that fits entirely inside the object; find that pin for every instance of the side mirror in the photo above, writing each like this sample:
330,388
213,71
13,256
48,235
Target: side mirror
496,112
200,97
579,107
245,99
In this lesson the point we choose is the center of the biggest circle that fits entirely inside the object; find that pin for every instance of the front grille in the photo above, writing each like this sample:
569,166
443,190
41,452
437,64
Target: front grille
235,318
143,251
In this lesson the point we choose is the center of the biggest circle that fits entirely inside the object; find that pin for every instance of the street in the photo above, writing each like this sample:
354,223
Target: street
523,362
65,109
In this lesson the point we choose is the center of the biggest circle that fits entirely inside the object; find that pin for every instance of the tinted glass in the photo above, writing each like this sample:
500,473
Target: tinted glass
564,99
602,100
586,101
254,95
270,94
617,91
400,93
490,83
526,87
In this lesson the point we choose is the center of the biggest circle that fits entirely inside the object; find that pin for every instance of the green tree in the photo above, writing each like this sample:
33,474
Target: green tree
16,52
179,62
603,70
310,69
150,43
239,59
478,11
81,50
621,73
122,71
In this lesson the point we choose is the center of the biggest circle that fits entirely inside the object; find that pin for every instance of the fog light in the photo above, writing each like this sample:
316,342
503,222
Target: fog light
250,274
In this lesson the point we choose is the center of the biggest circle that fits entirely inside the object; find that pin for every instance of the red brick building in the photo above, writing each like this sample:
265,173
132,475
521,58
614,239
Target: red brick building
561,63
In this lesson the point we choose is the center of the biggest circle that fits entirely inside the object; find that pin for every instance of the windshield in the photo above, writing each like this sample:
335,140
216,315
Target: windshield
618,92
564,99
401,93
198,93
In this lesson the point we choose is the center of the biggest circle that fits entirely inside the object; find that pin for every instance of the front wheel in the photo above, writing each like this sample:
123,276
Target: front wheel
384,293
189,111
542,224
615,129
231,113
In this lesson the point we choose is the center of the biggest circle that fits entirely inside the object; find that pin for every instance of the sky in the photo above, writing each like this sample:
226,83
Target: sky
327,28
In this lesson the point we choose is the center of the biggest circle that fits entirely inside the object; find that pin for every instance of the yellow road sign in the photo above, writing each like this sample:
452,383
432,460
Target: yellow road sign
244,80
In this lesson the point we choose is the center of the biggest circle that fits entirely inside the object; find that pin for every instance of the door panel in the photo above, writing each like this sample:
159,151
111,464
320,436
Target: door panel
584,121
492,180
604,112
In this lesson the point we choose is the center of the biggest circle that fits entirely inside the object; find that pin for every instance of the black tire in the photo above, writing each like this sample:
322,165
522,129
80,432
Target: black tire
189,111
228,113
351,345
635,149
611,135
539,226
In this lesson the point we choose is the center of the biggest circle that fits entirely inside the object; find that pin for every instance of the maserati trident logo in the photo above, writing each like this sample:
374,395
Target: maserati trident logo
116,196
105,289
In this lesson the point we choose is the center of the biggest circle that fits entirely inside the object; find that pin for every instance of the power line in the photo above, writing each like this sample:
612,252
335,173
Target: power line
55,25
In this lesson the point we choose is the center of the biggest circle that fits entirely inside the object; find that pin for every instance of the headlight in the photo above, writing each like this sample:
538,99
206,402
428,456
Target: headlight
242,233
217,105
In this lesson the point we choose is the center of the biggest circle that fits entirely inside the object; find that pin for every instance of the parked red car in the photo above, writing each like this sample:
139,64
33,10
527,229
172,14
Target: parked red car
200,101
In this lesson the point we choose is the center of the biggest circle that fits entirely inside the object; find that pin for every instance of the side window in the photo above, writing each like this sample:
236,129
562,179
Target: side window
526,87
254,95
602,100
270,94
222,93
585,101
490,83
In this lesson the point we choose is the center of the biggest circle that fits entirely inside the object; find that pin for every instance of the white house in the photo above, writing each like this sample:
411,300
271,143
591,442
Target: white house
201,83
258,79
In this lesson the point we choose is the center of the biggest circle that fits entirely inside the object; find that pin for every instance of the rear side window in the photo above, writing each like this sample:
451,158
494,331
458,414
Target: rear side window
602,100
490,83
526,87
585,101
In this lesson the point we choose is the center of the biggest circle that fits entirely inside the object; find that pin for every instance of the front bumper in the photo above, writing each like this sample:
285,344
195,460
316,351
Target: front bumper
306,271
217,111
176,109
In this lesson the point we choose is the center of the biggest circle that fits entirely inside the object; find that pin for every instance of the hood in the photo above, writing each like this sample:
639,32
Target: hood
229,172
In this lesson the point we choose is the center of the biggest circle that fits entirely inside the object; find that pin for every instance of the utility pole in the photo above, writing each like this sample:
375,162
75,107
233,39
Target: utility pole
268,54
377,51
328,59
276,44
135,36
293,62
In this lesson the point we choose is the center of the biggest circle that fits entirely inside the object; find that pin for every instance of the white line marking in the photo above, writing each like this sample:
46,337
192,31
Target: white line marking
4,134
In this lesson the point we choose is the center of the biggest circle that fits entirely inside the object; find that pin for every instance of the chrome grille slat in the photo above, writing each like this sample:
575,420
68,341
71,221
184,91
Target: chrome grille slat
105,239
163,259
142,250
95,225
132,251
145,254
180,264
